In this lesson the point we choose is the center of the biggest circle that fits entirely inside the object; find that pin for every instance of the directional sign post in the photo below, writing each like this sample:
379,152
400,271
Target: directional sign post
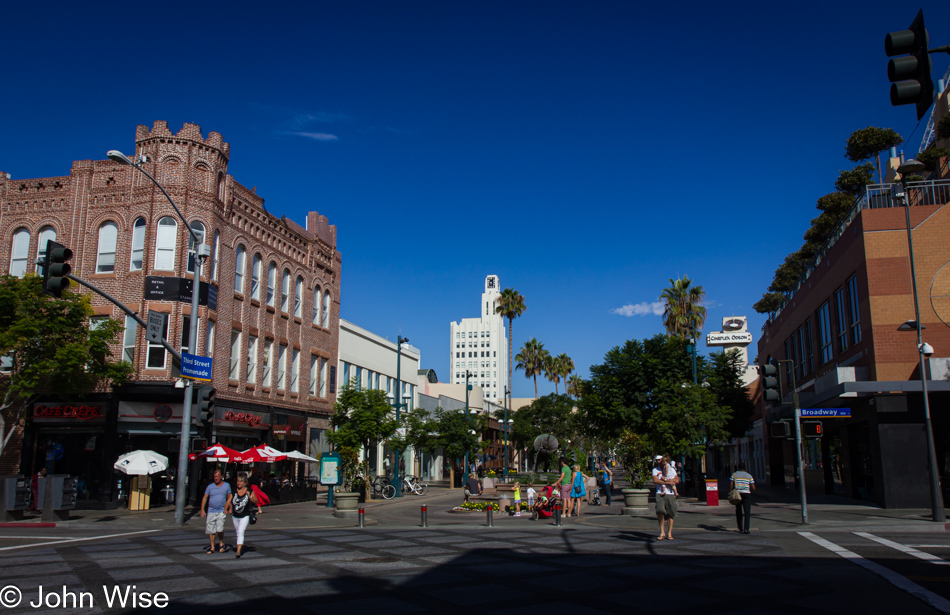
195,367
827,413
156,326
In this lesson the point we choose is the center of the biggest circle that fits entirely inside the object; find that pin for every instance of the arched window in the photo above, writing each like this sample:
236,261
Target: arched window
298,297
138,245
271,283
317,298
239,270
165,244
326,310
20,253
47,233
199,230
256,278
105,255
285,291
215,255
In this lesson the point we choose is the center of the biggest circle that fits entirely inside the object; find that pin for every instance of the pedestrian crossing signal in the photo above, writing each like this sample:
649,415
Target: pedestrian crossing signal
811,429
779,429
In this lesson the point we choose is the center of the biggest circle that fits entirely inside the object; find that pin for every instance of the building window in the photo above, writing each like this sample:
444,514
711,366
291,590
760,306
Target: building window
824,332
346,373
316,305
215,255
199,230
854,313
256,278
156,352
138,245
128,340
252,359
314,364
807,346
793,361
841,320
239,269
285,290
209,340
298,297
271,282
295,372
47,233
326,310
281,367
165,244
105,254
323,378
267,359
234,367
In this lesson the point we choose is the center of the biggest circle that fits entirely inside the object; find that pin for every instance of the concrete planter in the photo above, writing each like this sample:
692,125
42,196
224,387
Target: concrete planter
488,483
635,501
346,503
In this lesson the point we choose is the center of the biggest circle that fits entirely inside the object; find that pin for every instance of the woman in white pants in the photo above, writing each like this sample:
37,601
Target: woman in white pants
242,505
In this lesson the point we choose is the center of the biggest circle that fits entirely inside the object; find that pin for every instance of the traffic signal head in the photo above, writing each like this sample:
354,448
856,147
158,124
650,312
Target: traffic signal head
811,429
779,429
770,383
55,268
206,396
910,74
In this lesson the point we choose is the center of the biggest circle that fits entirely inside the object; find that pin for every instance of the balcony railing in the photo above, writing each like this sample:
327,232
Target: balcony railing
876,196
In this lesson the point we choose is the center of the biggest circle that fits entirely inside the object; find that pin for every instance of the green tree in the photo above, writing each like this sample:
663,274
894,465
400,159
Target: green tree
422,432
54,348
852,183
510,304
724,376
687,419
683,313
573,386
530,359
550,414
869,143
361,419
931,156
769,303
458,434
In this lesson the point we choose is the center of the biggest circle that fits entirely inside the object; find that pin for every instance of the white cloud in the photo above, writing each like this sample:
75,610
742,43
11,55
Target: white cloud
302,119
317,136
640,309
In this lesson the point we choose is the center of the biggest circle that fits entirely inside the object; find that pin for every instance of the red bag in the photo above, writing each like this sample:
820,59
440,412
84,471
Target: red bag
262,500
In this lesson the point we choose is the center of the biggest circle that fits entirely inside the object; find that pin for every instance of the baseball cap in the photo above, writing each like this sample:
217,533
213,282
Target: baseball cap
658,457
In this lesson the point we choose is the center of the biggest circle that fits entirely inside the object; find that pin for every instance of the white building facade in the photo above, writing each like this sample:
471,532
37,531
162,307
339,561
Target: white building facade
479,346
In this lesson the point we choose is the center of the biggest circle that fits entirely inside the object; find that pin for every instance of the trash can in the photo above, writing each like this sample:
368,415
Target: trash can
712,492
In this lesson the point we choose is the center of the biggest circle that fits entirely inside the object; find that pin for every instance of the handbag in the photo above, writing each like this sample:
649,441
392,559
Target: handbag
735,498
253,517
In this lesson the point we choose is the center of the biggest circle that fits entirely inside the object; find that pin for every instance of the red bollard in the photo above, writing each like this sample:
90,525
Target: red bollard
362,518
425,515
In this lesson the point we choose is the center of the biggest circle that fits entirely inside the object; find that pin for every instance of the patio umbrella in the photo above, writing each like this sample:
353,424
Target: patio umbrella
140,463
261,454
216,452
298,456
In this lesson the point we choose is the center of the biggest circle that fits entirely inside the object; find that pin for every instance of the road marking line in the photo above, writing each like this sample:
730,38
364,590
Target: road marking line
930,546
938,602
933,559
46,544
34,537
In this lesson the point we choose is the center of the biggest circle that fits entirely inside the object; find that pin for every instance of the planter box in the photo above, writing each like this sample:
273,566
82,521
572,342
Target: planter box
635,501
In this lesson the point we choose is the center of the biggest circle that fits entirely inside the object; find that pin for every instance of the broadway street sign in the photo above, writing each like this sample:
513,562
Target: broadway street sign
826,412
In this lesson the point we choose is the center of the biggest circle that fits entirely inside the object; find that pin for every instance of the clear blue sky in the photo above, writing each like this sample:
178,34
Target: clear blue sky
585,153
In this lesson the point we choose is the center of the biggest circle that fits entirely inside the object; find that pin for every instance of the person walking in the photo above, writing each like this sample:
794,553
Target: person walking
606,480
745,483
578,490
216,501
240,507
665,500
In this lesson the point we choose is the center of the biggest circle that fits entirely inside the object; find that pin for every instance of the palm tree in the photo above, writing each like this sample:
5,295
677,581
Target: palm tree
573,386
683,314
531,359
566,367
552,370
510,304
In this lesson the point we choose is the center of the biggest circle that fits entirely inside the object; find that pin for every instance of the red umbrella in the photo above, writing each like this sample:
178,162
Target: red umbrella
217,452
261,454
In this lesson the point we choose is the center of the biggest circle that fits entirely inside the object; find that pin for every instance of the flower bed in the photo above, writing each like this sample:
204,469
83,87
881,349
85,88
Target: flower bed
475,507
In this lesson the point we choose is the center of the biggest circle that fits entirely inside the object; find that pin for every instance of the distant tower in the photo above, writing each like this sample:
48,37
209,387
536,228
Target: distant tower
479,345
735,335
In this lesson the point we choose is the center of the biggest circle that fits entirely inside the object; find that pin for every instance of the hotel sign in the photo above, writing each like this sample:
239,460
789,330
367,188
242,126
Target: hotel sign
728,339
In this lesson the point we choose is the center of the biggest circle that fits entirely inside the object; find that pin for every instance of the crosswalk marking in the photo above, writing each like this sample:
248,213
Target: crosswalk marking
938,602
933,559
56,542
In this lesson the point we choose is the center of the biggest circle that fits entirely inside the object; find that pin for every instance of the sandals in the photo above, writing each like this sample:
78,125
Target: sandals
222,549
209,550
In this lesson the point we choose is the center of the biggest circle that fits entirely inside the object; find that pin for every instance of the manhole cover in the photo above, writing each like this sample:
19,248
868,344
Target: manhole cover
378,560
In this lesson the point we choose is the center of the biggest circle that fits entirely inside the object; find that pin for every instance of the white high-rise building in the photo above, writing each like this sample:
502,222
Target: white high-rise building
479,346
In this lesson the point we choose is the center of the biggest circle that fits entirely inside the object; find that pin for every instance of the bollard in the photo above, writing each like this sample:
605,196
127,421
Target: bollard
557,515
362,518
491,521
425,517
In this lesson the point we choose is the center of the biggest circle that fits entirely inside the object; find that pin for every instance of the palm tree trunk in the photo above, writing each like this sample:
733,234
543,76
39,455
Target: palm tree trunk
535,386
509,355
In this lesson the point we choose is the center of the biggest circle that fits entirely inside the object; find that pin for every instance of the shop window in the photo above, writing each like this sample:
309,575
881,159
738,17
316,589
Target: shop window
199,230
239,269
47,233
165,240
256,278
234,367
105,254
138,245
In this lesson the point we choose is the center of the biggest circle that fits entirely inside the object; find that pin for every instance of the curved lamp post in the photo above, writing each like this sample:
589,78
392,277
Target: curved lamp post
909,167
202,251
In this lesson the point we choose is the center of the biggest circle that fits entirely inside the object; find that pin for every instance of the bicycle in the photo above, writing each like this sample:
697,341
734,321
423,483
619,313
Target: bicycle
380,486
412,485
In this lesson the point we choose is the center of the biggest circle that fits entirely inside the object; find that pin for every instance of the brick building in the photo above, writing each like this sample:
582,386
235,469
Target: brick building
839,329
273,331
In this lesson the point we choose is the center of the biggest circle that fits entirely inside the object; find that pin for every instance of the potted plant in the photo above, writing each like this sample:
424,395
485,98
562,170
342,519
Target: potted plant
634,453
347,498
489,481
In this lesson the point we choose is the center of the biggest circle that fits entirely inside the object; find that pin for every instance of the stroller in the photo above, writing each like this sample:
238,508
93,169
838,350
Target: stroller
544,506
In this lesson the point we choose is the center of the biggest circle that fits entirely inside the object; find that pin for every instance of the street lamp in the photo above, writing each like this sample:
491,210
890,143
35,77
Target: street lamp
468,388
909,167
507,427
202,251
396,482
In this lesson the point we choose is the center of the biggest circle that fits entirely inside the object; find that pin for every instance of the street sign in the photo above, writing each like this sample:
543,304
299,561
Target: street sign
167,288
156,326
827,412
195,367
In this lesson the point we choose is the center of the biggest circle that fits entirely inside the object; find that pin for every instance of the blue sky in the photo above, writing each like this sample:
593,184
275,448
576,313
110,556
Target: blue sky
585,153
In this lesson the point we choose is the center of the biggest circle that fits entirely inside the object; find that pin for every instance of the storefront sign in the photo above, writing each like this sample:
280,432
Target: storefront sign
728,339
166,288
292,432
71,412
243,417
162,413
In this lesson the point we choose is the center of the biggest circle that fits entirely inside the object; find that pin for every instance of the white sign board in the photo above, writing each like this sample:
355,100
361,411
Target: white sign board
728,339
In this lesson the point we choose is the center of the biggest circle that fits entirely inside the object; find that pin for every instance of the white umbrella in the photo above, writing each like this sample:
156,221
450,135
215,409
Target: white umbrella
139,463
298,456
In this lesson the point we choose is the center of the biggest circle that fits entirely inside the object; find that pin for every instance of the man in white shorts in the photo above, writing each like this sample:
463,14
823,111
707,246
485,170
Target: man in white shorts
216,500
665,499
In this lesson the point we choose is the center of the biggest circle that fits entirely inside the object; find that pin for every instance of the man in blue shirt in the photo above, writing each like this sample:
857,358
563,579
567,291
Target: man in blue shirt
217,498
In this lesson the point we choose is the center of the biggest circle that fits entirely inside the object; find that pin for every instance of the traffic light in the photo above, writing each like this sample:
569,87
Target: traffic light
770,384
206,404
910,74
55,268
811,429
779,429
